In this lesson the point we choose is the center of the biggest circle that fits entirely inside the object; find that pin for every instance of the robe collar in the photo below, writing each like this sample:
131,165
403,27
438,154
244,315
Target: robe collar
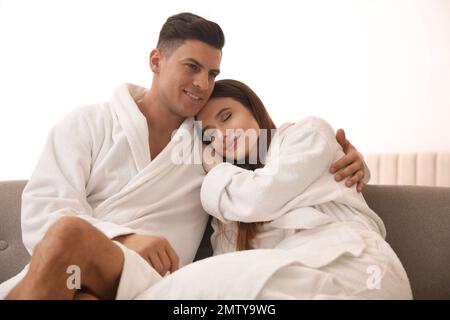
134,122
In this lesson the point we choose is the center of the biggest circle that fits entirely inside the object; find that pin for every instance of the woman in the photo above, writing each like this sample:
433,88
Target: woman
292,202
312,237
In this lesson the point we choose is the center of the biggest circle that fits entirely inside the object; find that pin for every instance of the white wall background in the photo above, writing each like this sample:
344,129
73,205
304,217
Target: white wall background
380,69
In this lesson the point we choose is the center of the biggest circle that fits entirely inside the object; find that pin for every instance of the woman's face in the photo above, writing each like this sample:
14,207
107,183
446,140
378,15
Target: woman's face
230,126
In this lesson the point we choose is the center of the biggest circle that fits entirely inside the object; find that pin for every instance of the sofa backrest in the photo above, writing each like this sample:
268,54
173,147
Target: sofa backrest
417,220
419,168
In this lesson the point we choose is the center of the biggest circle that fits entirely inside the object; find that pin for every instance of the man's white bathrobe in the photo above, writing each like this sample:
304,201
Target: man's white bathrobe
320,240
96,165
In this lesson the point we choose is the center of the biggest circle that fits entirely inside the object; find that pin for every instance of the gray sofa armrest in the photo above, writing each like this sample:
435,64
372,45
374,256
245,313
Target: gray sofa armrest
13,255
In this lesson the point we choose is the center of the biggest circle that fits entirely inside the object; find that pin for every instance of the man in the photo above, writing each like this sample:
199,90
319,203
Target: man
105,196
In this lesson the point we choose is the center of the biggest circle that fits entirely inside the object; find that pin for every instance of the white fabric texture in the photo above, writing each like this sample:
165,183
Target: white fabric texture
137,275
317,267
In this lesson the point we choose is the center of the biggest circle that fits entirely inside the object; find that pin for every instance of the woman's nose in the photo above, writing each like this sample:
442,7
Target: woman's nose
218,138
219,134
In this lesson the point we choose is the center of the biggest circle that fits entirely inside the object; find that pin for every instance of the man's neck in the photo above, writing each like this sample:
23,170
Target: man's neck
160,119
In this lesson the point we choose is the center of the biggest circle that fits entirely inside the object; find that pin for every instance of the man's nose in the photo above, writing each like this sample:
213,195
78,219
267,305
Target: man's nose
201,81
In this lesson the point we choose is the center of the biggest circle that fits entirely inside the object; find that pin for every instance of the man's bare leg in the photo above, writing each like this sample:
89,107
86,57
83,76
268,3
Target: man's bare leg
72,241
80,295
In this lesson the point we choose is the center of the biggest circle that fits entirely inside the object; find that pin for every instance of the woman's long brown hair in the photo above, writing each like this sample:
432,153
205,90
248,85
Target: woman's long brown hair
242,93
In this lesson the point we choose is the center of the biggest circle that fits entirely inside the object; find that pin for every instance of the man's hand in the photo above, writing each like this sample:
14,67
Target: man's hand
156,250
350,166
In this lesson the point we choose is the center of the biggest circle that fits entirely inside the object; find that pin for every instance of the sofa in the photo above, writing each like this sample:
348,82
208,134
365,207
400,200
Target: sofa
417,220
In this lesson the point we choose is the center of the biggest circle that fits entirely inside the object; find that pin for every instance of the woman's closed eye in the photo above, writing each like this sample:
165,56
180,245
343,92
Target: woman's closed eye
226,116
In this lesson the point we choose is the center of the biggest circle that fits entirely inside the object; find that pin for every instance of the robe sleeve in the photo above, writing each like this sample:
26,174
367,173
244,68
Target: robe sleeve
230,193
57,186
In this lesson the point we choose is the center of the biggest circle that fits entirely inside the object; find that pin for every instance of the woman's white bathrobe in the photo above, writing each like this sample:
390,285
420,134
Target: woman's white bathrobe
326,242
96,165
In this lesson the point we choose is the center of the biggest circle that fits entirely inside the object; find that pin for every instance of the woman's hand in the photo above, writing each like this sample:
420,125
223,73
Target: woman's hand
156,250
350,166
209,157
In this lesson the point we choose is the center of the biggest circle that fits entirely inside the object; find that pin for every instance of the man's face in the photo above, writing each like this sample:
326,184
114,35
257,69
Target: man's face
186,77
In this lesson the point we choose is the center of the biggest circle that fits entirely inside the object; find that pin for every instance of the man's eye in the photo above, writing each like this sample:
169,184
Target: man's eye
192,66
227,116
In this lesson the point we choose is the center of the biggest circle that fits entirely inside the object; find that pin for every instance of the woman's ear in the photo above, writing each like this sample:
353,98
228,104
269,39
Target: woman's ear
155,60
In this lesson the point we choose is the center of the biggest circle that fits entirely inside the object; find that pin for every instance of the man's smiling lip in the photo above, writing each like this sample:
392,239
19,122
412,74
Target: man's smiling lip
192,95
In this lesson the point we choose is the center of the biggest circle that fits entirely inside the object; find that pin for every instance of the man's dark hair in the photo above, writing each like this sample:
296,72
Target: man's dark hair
185,26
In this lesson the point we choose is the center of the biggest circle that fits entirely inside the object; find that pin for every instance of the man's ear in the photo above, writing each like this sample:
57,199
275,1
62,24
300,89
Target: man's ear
155,60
